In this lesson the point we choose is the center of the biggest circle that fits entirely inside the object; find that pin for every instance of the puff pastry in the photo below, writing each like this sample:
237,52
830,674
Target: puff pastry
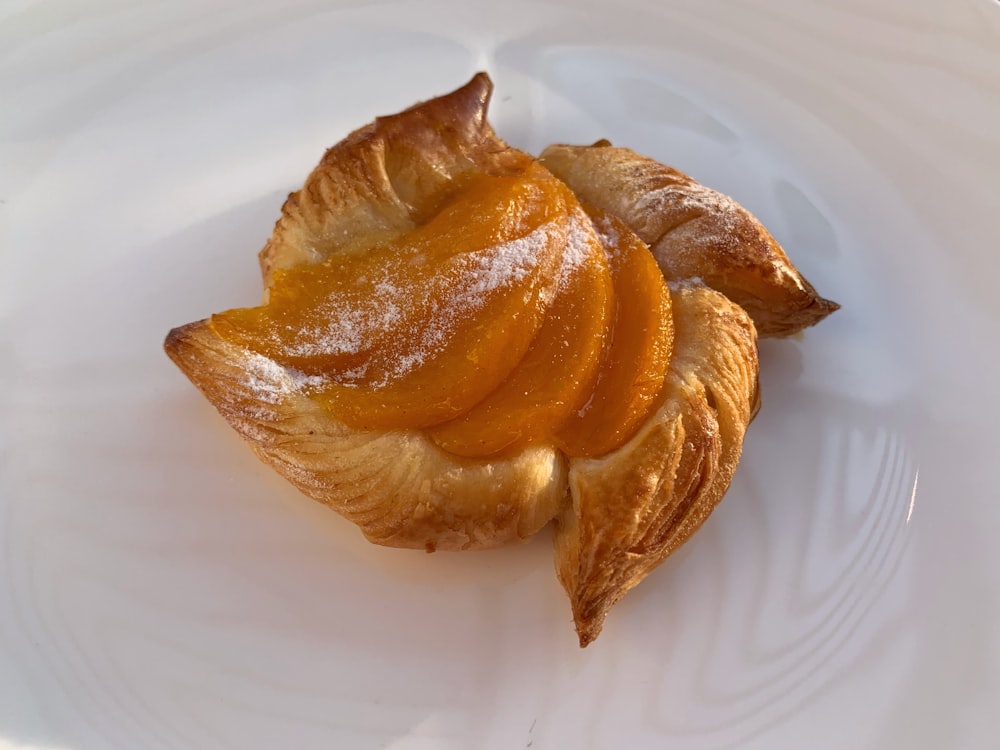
686,369
631,508
694,232
388,177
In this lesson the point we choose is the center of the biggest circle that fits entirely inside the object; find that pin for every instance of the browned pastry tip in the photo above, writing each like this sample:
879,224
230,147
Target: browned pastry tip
694,232
634,507
387,177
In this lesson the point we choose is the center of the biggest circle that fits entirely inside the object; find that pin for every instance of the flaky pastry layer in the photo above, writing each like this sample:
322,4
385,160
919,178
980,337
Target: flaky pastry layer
694,232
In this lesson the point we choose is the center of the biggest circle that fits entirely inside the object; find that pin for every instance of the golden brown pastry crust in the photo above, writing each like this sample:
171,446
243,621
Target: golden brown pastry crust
397,486
632,508
620,515
387,177
694,232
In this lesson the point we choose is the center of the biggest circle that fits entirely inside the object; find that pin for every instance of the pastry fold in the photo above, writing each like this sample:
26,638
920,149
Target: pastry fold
694,232
388,177
633,507
397,486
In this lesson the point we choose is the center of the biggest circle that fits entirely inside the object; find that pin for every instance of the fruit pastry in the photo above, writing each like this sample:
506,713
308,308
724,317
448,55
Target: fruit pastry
454,351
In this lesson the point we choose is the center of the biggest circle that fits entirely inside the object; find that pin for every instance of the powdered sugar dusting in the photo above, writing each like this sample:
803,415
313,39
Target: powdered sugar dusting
580,238
690,195
507,264
417,312
606,228
725,211
661,209
689,200
270,382
343,333
479,276
304,382
693,282
267,380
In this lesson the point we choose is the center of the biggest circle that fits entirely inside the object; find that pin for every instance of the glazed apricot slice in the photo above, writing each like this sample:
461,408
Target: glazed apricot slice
635,362
559,369
406,334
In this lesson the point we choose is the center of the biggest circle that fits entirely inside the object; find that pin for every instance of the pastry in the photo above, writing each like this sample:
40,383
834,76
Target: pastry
631,508
694,232
453,352
388,177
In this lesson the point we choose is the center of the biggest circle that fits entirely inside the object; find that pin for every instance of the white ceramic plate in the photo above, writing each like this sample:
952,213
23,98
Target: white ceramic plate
159,588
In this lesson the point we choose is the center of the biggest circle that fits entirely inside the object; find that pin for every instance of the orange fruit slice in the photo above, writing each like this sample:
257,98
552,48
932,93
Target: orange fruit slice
638,351
405,334
559,369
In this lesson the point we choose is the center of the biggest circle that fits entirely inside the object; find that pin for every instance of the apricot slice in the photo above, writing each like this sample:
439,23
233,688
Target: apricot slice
558,371
406,334
638,352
